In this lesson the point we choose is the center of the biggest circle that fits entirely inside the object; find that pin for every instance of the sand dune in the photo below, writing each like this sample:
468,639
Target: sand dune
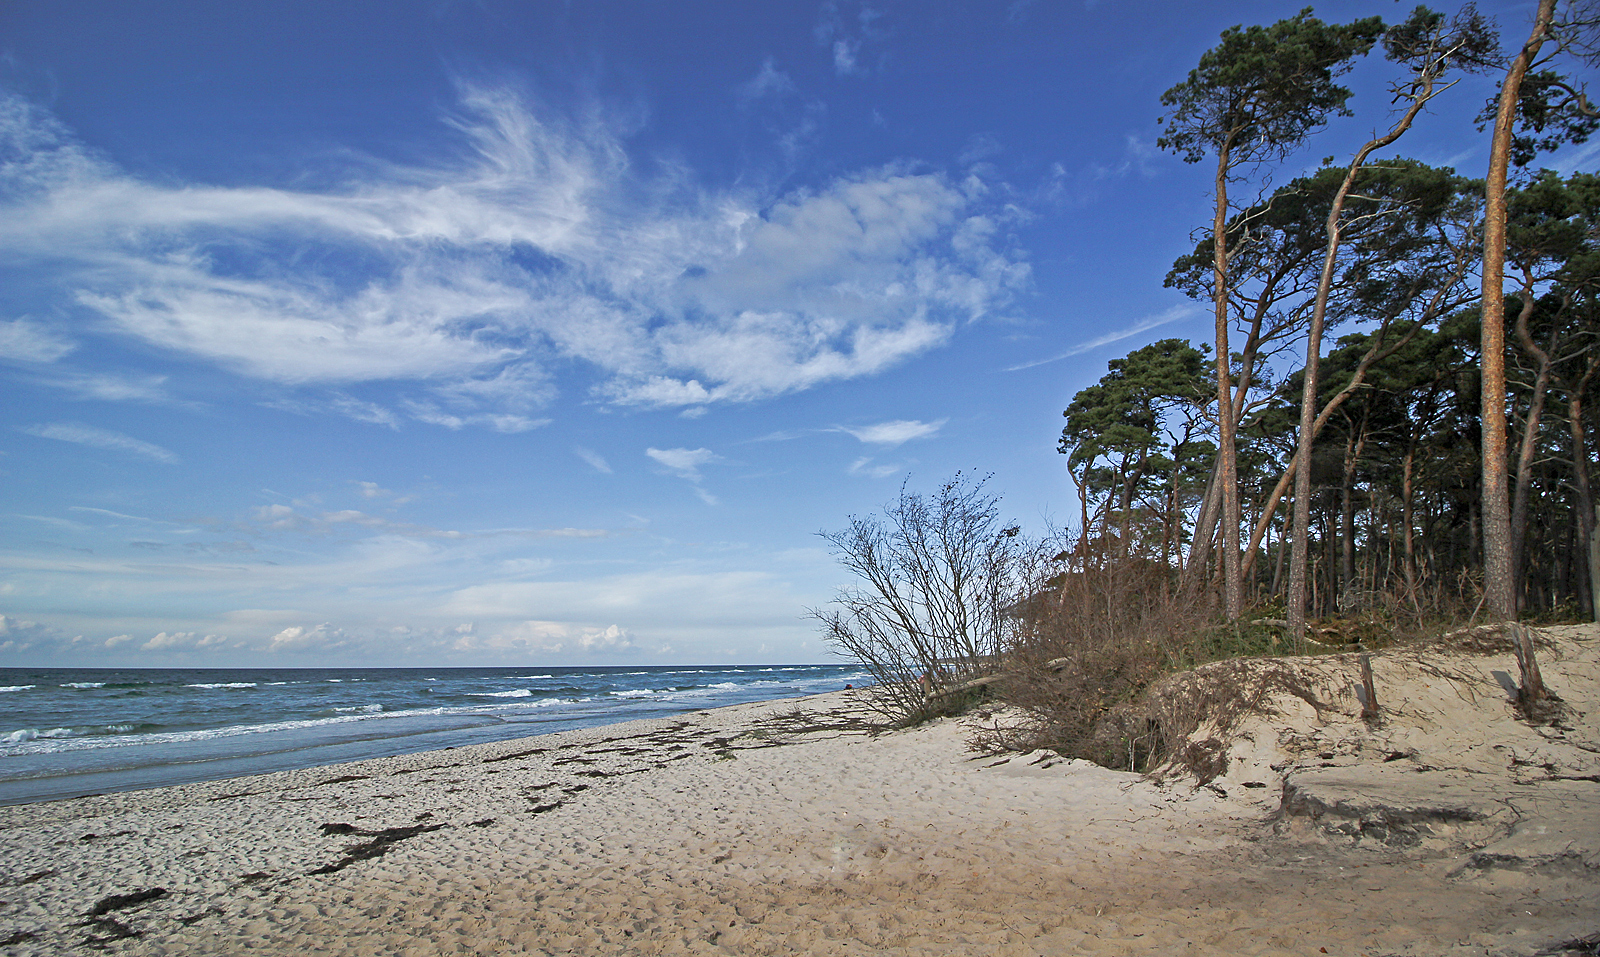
1450,827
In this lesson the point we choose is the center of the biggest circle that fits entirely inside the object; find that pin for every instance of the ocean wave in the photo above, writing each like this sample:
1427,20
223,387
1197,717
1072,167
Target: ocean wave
360,709
34,741
224,684
30,734
18,688
518,693
636,693
81,685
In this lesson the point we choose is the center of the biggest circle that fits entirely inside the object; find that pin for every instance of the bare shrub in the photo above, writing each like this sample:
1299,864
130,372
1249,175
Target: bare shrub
1091,639
940,576
1217,697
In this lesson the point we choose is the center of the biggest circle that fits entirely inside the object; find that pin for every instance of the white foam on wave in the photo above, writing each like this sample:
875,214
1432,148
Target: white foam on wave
30,734
81,685
18,688
29,740
518,693
360,709
635,693
224,684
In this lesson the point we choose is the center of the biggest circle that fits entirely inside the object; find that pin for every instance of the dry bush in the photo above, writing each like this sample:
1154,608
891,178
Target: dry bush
938,579
1217,697
1110,665
1091,641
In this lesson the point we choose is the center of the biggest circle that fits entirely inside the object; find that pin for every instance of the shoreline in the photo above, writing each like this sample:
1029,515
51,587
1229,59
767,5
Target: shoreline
95,739
763,828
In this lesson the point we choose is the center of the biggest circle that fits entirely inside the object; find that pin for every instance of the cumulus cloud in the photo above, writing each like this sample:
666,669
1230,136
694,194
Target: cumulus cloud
473,279
18,634
896,432
611,640
321,638
182,641
89,435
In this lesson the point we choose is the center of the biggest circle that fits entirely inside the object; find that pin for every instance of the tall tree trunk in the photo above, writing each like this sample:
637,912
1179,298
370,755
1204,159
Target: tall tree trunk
1498,594
1227,461
1588,513
1194,570
1319,311
1407,518
1353,448
1528,446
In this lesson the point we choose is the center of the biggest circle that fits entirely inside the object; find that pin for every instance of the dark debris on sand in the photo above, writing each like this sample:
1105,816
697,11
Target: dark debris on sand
376,845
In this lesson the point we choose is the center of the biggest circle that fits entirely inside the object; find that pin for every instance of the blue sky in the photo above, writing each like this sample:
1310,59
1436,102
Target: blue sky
419,333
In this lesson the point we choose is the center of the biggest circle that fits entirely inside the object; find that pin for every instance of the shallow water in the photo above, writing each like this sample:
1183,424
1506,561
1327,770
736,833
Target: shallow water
69,732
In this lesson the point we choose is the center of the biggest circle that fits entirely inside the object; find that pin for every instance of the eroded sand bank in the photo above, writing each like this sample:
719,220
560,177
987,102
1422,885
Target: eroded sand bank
755,830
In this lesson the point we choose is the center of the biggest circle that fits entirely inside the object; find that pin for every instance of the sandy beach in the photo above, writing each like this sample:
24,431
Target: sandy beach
1449,826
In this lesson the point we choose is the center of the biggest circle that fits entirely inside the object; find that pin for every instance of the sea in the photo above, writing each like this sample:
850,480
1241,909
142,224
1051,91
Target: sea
71,732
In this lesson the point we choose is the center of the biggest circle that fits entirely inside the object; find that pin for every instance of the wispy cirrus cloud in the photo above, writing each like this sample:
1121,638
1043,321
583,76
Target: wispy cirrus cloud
595,459
686,463
866,466
1175,314
80,434
896,432
22,340
473,279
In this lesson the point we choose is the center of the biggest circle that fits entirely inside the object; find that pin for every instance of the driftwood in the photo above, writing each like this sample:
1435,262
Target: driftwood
1369,693
965,686
1531,691
1054,664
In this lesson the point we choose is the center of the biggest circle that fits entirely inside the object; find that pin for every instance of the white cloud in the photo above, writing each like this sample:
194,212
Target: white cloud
164,641
363,411
594,458
683,462
1175,314
835,32
844,56
896,432
1138,157
322,638
110,387
611,640
101,439
768,81
22,340
475,279
864,466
